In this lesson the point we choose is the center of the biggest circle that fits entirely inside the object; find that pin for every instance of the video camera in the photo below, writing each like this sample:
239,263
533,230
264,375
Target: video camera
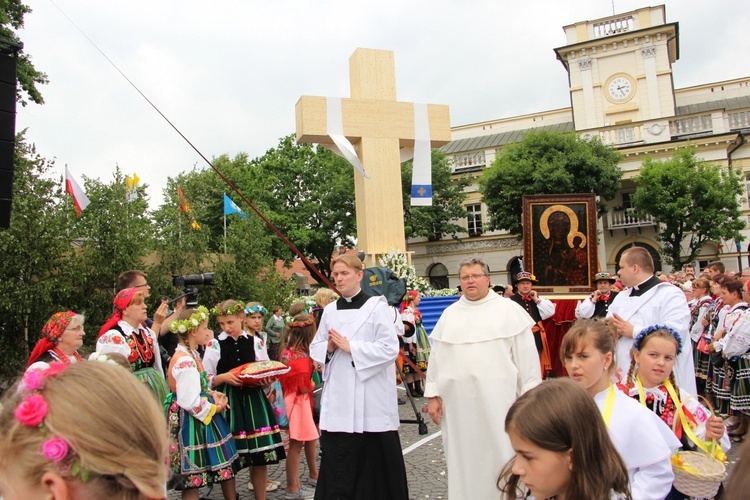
189,284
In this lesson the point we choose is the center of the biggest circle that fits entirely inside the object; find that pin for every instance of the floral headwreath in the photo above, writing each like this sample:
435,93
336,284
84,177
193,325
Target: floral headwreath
32,411
194,321
302,324
257,308
234,310
651,329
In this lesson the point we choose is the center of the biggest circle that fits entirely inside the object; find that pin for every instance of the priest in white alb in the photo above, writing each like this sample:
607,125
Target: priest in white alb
483,357
357,344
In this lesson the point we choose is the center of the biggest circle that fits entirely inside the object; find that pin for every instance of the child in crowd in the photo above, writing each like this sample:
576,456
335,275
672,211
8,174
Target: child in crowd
563,454
202,450
86,430
254,312
644,442
250,415
297,385
651,381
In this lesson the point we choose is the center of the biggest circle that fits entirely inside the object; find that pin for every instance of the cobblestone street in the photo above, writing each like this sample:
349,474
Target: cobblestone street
425,463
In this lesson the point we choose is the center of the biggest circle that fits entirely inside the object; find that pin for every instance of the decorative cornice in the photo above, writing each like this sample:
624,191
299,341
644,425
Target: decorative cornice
475,246
585,64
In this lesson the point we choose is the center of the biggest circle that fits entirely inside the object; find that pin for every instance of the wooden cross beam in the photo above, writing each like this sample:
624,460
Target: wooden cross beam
377,126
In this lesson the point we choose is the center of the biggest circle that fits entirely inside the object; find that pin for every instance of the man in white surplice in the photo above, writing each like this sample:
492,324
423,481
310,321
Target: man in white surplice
483,357
357,344
648,302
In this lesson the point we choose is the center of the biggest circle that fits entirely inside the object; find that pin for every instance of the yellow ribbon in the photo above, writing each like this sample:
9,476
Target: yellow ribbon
609,404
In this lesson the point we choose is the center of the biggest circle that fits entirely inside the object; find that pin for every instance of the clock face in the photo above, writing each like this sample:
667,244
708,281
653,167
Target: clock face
620,88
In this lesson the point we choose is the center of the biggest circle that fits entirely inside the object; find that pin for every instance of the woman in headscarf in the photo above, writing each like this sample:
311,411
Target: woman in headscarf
62,336
125,333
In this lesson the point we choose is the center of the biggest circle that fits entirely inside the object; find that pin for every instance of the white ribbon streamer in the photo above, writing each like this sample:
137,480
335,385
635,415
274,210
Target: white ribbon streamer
421,179
335,126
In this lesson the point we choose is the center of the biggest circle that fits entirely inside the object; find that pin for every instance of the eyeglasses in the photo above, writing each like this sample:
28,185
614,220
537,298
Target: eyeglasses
140,286
79,328
471,277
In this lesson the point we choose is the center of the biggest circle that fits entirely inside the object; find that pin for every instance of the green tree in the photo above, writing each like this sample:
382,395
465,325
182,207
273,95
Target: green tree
36,249
547,163
12,13
309,196
689,197
113,235
447,201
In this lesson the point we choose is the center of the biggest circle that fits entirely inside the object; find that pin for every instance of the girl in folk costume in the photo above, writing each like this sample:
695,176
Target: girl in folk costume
124,333
698,330
62,336
416,341
250,415
643,441
650,380
722,373
565,454
734,348
202,451
297,385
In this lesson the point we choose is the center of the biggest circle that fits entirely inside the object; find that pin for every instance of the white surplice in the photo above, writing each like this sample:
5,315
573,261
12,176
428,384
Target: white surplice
664,304
483,357
645,443
360,387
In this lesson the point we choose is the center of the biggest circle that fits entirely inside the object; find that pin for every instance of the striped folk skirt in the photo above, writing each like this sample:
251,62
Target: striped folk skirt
199,454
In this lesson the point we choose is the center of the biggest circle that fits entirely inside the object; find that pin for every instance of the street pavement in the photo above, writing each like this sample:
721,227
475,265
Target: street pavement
425,463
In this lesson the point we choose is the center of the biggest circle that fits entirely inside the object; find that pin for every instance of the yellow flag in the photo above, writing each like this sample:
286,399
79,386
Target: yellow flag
195,225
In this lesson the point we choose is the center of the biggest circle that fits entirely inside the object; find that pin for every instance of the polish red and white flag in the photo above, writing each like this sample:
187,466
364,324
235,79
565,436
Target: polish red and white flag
80,200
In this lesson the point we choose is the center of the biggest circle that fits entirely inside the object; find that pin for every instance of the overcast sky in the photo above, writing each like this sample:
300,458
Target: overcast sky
228,73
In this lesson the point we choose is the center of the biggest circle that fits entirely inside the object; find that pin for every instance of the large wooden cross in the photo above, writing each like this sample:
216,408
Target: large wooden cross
377,126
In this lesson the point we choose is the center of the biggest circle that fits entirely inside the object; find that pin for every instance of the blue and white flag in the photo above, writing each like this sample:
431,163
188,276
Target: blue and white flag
231,207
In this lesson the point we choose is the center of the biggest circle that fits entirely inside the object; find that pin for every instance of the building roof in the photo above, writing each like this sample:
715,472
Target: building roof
726,104
495,140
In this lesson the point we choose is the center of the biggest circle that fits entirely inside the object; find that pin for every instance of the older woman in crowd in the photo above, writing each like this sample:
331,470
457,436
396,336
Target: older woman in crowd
125,333
62,336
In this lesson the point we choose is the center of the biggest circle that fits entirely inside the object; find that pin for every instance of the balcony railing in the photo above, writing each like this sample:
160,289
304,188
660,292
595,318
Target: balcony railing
693,125
739,120
622,135
613,27
623,219
469,160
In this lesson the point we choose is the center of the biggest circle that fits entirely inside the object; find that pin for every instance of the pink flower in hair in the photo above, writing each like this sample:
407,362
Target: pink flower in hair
33,380
56,449
32,410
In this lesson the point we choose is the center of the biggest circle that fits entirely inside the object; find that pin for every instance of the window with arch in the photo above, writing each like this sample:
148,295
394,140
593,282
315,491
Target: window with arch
438,276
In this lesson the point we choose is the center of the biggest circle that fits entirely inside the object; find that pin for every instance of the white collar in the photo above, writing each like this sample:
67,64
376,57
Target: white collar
225,335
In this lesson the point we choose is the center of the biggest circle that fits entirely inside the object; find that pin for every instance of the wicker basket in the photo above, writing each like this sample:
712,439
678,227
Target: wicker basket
704,483
710,472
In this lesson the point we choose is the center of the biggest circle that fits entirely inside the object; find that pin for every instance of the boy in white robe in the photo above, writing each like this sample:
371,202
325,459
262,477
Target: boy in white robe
357,345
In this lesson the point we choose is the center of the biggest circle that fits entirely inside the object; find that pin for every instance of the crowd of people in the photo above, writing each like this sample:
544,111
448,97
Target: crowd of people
654,364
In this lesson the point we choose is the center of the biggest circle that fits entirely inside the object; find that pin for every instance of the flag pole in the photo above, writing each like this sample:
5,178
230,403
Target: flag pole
225,232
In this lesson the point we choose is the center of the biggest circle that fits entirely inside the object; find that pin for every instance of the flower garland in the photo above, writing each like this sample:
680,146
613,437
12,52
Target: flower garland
234,310
651,329
194,321
256,309
302,324
398,263
32,411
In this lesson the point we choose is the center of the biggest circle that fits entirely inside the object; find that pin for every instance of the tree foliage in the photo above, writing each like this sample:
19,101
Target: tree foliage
688,197
547,163
447,201
12,13
309,195
34,277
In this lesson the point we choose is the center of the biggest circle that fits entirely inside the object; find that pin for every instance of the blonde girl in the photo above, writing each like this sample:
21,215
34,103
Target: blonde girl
297,386
644,442
564,454
249,415
202,451
65,434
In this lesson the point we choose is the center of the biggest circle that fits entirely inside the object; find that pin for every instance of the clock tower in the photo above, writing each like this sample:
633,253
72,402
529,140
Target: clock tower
620,68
